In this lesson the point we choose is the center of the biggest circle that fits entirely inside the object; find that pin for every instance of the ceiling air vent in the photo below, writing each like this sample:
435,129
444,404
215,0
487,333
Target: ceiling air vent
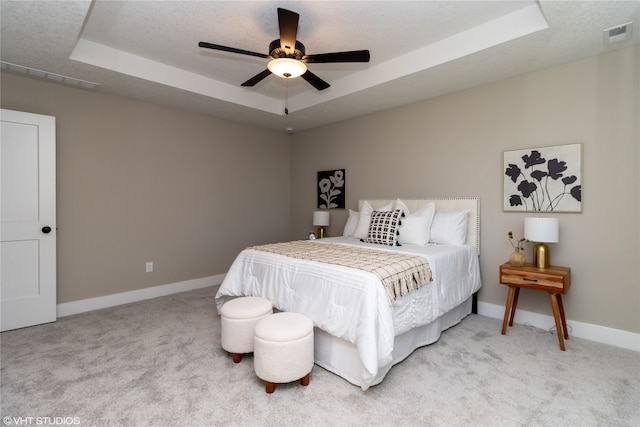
20,69
617,34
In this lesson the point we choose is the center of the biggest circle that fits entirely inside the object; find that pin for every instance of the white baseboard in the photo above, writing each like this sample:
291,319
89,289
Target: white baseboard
82,306
601,334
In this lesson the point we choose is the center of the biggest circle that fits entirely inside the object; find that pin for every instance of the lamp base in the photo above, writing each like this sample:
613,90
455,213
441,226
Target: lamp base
541,255
321,233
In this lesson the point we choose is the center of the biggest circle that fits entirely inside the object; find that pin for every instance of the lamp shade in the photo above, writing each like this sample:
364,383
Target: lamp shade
287,67
321,218
544,230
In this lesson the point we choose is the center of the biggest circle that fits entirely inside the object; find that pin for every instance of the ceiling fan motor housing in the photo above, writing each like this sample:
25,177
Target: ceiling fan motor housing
276,51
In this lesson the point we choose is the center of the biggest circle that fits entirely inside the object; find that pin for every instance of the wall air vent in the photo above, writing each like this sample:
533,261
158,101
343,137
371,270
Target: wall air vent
617,34
69,81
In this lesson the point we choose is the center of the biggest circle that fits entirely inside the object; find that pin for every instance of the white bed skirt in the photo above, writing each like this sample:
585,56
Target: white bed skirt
341,357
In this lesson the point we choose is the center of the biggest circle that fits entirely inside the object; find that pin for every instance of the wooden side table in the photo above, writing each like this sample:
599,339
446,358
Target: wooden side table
555,280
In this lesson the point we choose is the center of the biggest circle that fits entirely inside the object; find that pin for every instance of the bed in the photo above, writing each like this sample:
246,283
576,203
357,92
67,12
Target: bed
361,328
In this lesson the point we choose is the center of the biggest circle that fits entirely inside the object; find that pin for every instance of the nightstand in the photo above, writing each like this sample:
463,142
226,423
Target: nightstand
555,280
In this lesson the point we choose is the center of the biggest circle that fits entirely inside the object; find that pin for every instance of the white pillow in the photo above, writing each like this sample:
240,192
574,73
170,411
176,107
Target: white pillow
400,205
449,228
365,219
415,227
352,223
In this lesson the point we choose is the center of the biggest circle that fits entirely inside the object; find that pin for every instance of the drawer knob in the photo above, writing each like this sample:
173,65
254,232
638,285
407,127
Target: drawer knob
530,279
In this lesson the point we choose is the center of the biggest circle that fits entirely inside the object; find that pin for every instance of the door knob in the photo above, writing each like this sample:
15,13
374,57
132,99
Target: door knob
46,229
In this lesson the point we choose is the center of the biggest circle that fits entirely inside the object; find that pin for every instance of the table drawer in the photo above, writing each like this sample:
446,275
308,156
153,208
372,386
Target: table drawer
532,280
554,279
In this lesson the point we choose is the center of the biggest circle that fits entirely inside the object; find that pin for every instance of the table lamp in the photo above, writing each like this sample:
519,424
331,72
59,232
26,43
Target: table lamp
321,220
541,231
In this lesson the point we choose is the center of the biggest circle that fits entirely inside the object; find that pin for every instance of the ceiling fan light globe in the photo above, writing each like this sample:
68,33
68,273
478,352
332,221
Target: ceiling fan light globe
287,67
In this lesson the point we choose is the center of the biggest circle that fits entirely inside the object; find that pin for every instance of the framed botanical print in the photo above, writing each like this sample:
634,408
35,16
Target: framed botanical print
547,179
331,189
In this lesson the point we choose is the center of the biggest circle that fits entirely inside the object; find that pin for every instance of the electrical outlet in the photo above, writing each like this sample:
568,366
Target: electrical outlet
149,267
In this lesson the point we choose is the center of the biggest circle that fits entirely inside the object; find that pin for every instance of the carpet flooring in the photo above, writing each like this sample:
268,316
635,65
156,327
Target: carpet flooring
159,363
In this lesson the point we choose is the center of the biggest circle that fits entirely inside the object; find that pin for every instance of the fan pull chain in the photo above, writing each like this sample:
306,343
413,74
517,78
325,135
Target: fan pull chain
288,127
286,96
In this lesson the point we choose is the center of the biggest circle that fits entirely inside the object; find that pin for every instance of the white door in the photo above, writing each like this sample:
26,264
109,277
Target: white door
28,220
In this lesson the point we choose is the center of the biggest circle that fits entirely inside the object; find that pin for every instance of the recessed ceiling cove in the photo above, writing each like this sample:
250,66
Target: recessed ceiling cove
159,43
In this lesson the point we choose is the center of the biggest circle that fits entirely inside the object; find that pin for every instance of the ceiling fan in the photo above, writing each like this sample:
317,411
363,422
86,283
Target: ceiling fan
287,55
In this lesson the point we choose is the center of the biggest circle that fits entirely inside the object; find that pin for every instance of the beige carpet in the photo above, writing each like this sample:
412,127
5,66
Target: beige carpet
159,363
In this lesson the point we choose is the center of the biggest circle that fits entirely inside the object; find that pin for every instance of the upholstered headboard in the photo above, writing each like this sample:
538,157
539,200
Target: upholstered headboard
444,204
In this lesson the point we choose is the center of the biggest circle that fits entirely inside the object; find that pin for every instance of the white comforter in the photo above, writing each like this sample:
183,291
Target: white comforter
350,303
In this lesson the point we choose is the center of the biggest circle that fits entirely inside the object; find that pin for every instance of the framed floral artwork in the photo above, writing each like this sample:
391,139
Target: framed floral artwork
547,179
331,189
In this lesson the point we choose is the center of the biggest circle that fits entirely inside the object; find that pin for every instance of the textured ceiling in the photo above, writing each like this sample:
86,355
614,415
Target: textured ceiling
148,50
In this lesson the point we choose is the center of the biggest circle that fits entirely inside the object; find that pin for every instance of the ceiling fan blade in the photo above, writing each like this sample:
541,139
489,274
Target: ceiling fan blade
232,49
315,81
257,78
288,22
351,56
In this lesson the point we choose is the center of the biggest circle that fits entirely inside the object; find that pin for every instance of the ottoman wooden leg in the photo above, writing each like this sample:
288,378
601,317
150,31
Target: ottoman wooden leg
236,357
305,380
269,387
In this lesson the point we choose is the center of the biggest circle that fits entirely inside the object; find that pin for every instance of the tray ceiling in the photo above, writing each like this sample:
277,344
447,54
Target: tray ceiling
148,50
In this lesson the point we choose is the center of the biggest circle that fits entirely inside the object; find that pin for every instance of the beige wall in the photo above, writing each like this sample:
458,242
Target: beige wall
453,146
138,182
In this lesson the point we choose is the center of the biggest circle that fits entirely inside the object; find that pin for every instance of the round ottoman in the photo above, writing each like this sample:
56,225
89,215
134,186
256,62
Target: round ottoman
283,349
239,317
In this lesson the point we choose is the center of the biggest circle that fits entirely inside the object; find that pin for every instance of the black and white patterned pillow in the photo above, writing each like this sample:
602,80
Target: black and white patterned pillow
383,228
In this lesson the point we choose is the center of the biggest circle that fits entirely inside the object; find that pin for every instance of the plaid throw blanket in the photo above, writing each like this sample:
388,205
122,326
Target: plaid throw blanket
399,273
